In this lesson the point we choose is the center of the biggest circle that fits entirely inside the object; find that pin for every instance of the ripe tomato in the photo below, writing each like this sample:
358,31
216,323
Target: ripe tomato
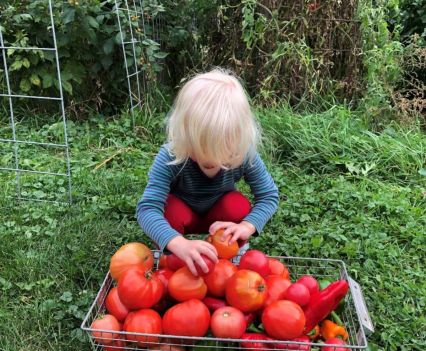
283,320
189,318
277,286
143,321
164,274
183,286
224,250
174,262
210,265
228,322
106,322
129,255
278,268
162,263
118,344
216,280
334,341
310,282
115,306
298,293
214,304
256,261
138,288
246,290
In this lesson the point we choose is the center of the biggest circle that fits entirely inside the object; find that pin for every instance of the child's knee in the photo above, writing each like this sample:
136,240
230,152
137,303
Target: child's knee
235,206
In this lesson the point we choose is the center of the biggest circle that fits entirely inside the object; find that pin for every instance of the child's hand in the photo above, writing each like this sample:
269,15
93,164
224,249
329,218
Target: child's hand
190,252
239,231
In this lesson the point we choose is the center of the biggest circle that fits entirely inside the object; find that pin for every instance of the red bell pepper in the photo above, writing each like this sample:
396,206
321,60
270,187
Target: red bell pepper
254,341
334,341
324,302
288,346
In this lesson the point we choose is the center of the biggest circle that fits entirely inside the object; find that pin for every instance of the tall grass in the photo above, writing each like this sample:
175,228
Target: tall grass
337,140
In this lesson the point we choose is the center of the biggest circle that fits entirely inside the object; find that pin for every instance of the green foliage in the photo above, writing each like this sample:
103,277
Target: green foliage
89,45
413,18
53,258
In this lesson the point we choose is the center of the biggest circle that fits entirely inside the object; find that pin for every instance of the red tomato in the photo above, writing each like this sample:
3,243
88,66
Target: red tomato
256,261
253,341
213,304
246,290
184,286
228,322
210,265
289,346
164,274
174,262
224,250
143,321
283,320
139,289
116,344
189,318
278,268
334,341
277,286
310,282
130,255
298,293
162,262
217,279
106,322
115,306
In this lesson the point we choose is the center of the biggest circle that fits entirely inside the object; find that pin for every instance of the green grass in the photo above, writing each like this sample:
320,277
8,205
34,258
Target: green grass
346,193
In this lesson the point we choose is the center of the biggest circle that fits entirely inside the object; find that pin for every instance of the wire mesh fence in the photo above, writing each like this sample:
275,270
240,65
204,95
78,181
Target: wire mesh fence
31,168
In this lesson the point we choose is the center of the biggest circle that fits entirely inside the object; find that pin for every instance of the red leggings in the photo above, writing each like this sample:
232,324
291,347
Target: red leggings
231,207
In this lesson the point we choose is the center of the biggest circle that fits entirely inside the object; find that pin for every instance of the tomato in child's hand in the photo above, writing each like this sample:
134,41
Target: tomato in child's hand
210,265
224,249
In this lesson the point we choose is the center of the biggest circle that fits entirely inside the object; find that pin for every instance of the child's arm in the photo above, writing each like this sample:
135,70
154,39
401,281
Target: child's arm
150,215
265,203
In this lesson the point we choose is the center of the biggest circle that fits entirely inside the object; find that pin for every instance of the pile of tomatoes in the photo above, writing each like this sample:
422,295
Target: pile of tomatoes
225,301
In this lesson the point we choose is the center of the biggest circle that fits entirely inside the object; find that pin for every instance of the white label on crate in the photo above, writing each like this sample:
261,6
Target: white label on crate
361,307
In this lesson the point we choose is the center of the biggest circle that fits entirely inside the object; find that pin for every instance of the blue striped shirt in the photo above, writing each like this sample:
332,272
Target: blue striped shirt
188,182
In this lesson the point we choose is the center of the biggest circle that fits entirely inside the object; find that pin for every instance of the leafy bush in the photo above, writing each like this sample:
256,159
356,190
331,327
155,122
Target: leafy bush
89,45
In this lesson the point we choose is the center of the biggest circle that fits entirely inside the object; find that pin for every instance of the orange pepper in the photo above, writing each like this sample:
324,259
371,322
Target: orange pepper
330,329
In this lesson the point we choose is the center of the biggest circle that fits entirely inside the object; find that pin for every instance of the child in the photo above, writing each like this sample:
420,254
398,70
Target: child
212,139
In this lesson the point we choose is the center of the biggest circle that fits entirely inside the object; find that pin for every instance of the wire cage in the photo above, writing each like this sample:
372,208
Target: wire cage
354,316
49,180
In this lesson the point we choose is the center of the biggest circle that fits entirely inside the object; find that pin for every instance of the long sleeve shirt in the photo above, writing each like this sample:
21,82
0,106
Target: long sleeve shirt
188,182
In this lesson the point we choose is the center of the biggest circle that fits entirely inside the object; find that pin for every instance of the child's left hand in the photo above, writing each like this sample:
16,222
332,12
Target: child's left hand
239,231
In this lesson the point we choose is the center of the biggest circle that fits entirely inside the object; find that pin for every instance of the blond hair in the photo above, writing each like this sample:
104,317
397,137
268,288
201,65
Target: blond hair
211,120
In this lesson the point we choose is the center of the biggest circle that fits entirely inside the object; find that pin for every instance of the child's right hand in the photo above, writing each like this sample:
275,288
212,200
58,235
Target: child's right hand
190,252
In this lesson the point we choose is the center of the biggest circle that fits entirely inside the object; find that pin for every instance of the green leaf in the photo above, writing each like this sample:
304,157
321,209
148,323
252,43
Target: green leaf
92,22
68,15
26,63
15,66
35,79
160,54
47,80
422,171
118,37
66,296
108,46
67,86
25,85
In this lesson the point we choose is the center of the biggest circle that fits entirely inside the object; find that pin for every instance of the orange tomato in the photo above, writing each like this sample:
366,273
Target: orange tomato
278,268
130,255
217,279
184,286
224,249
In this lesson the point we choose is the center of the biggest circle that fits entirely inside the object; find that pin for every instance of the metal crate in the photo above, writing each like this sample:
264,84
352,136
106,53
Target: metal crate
355,315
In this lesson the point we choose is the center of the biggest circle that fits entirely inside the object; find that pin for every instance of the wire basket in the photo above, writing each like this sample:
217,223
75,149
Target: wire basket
354,316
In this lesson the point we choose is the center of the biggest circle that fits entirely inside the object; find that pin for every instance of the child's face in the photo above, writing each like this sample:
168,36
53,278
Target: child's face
210,169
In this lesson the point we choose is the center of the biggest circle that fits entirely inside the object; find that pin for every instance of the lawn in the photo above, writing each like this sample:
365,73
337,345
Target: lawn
346,193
